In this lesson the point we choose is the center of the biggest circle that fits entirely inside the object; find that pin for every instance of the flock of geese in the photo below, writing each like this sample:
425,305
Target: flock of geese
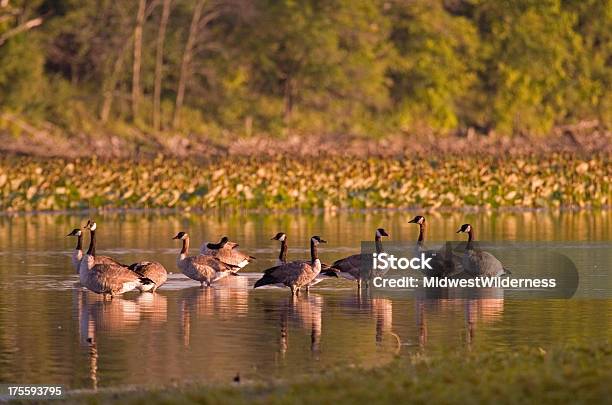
215,261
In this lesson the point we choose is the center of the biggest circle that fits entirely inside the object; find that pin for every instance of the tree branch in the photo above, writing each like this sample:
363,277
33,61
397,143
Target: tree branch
28,25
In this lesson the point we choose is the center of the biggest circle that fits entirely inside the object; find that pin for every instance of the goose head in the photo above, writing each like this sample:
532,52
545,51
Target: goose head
75,232
281,236
465,228
317,239
419,219
91,225
181,236
380,232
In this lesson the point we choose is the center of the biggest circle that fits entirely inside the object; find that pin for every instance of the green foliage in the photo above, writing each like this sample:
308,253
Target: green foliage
434,65
371,67
528,48
21,75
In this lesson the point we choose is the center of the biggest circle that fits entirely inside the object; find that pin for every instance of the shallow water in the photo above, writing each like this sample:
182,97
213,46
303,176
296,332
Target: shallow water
52,331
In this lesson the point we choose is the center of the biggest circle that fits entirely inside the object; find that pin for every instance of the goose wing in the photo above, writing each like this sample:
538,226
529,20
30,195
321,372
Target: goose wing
481,263
350,267
297,273
107,260
151,270
490,264
326,269
203,266
111,278
210,261
230,255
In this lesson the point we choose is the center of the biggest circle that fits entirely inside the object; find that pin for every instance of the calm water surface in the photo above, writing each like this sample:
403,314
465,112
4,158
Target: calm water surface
52,331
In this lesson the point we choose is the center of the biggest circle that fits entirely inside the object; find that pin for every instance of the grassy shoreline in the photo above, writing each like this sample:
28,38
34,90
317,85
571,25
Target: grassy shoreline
576,373
326,183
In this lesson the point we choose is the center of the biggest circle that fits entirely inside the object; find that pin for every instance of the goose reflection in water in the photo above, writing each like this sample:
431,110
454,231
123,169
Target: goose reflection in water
226,299
381,309
484,306
304,312
485,309
95,315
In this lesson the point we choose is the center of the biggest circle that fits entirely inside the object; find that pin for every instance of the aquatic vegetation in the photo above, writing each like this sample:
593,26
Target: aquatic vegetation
557,180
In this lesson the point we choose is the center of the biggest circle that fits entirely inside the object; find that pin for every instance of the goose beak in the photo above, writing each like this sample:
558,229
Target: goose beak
412,221
384,233
459,231
322,241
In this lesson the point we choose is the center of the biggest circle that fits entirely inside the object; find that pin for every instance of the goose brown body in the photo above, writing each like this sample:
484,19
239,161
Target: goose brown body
203,268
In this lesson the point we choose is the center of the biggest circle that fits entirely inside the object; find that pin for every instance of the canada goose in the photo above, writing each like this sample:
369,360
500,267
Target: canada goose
443,264
296,274
107,278
136,267
203,268
350,267
326,270
77,255
478,262
153,271
227,253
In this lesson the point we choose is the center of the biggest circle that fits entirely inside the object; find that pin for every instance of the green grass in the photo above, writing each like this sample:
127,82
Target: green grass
574,374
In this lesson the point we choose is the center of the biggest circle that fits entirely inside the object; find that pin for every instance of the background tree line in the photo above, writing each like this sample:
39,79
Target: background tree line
365,67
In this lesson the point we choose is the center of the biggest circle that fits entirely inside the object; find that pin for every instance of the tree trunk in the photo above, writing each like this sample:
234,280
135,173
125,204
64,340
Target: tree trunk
288,100
140,17
110,84
186,62
159,60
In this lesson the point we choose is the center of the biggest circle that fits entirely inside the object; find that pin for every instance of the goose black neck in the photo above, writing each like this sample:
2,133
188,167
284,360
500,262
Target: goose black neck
314,255
282,257
185,247
378,242
470,239
92,243
421,232
216,246
79,245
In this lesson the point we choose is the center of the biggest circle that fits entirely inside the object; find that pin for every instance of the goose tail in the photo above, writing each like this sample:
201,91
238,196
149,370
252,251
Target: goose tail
265,280
145,284
330,272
